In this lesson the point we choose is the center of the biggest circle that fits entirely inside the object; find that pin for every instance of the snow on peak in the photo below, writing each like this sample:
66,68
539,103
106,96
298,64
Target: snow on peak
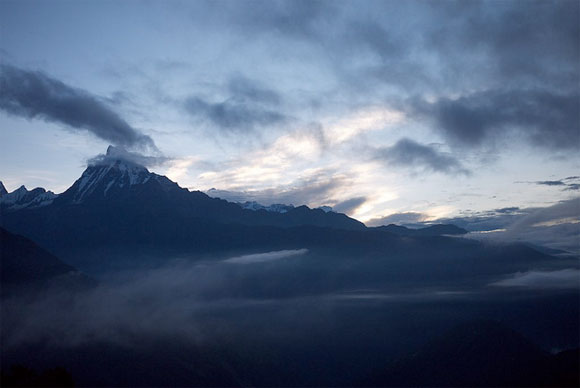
22,198
121,158
114,154
108,173
118,169
276,207
326,209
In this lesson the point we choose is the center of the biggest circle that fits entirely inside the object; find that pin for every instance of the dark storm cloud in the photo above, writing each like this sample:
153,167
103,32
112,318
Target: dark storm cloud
33,94
233,114
349,205
533,41
408,153
536,43
546,119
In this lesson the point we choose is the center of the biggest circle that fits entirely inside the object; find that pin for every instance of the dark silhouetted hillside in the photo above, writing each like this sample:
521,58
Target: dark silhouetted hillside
483,354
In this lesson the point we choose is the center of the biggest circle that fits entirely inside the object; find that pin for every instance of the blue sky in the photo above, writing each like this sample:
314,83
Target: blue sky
375,108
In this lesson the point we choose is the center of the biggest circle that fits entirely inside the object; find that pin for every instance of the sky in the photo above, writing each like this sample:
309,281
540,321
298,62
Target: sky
381,109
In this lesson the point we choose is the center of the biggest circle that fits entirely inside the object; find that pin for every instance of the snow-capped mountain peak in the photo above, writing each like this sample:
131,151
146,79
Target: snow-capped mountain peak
113,172
106,174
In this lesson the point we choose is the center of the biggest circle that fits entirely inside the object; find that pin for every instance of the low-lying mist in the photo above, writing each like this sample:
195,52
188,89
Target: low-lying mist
286,317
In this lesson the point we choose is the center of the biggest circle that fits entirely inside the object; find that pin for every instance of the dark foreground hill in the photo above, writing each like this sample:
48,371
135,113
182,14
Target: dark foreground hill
482,354
26,266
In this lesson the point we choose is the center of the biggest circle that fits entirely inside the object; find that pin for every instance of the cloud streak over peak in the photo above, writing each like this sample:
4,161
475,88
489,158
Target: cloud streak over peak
33,94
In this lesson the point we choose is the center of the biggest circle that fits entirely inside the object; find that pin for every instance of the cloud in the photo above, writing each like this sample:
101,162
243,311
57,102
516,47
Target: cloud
546,119
564,278
550,183
408,153
300,19
563,210
234,115
316,190
556,226
350,205
562,182
538,41
567,184
439,46
33,94
525,40
119,153
265,257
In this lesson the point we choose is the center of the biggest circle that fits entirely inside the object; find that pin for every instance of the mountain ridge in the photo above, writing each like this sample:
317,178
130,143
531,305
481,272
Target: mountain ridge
121,211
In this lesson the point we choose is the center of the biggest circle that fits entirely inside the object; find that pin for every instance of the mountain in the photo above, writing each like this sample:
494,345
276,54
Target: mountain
2,190
276,207
26,266
433,230
239,198
121,182
22,198
117,202
481,353
119,214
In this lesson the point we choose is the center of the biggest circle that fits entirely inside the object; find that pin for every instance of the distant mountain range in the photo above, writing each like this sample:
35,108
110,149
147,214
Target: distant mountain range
22,198
433,230
117,207
117,181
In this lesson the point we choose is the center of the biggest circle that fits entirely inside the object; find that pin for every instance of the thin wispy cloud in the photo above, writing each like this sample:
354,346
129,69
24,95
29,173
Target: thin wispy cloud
265,257
563,278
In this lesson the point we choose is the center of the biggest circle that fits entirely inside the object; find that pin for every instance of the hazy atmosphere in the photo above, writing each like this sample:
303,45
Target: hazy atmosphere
290,193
